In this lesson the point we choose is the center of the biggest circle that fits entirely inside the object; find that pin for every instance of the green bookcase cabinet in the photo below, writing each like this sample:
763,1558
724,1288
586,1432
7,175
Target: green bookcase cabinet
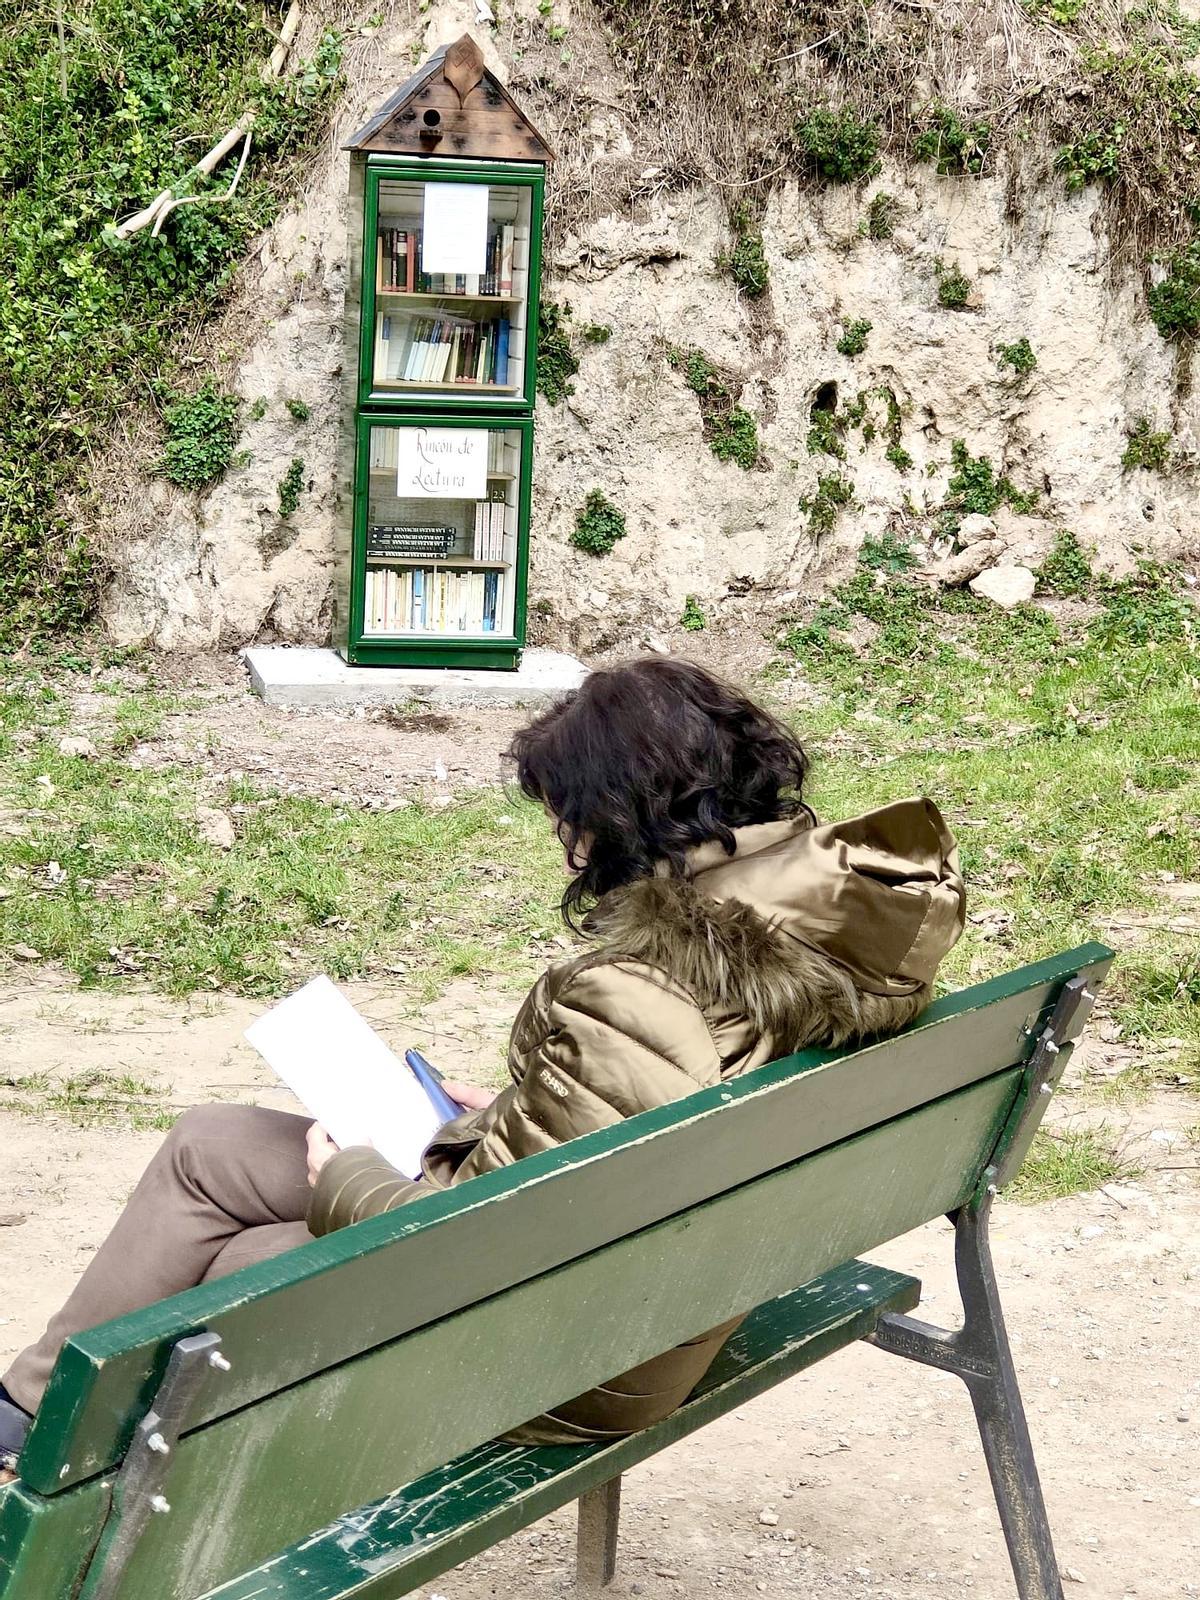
437,430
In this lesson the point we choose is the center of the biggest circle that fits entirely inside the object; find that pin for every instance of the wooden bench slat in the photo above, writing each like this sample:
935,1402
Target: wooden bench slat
45,1544
411,1537
248,1484
392,1270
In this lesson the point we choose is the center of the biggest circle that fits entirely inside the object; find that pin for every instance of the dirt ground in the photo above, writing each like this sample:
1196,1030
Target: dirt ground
871,1463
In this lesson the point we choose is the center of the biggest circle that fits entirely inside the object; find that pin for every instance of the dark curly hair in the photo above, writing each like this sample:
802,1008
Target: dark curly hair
645,761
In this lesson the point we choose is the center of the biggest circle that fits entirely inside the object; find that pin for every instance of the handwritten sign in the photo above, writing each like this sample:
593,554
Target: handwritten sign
442,463
456,218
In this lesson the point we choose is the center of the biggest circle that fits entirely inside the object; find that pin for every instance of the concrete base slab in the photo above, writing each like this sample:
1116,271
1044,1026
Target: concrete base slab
306,678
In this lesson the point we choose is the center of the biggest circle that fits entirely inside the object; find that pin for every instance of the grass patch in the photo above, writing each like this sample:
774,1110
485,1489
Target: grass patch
1066,757
1064,1162
108,875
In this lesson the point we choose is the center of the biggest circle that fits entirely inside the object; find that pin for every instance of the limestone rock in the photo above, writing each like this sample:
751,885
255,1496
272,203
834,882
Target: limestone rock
198,571
1006,586
958,569
215,827
74,744
973,528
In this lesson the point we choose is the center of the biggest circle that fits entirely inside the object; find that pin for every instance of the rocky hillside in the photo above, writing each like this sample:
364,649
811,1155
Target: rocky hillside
790,334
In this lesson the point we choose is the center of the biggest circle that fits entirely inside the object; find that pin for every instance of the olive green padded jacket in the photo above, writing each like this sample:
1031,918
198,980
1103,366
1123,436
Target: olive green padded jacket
805,935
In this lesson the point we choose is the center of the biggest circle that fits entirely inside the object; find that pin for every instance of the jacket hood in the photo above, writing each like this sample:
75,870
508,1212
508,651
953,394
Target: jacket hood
881,895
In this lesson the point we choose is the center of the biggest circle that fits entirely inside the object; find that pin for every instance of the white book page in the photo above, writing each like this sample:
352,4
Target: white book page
335,1063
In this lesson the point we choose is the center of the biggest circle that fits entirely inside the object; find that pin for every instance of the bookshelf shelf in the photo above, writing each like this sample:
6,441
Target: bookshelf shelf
442,461
412,297
432,563
401,384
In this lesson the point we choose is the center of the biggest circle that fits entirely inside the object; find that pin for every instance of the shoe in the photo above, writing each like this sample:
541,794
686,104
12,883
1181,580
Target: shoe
15,1423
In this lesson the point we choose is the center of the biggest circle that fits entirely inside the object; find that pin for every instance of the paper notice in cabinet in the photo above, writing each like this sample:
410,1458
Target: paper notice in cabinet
441,463
455,238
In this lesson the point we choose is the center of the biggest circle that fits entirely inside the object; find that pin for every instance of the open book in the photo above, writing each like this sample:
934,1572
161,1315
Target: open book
358,1089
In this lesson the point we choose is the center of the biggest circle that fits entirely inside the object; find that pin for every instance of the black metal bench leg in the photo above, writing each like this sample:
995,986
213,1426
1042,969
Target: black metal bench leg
599,1518
980,1356
1001,1419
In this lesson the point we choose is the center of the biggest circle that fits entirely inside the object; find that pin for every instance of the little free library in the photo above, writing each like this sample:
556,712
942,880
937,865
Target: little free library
442,312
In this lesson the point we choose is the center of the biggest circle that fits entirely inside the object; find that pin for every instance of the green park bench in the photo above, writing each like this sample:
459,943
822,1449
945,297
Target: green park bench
319,1427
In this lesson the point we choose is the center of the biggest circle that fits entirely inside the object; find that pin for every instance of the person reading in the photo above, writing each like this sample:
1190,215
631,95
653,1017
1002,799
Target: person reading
723,927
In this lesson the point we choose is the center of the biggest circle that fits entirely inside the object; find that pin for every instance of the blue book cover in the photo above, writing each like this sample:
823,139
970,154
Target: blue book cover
502,351
418,602
491,587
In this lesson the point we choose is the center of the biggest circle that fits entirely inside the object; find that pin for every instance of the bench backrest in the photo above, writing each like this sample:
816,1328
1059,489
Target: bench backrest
371,1356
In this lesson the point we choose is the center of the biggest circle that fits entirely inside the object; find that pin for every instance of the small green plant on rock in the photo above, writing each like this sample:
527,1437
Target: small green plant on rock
825,433
1175,302
854,337
1066,570
953,287
1146,448
974,487
299,409
693,618
747,263
899,457
202,430
1019,357
290,486
1096,158
598,525
1060,12
556,360
595,333
840,147
886,554
730,431
880,220
952,144
833,492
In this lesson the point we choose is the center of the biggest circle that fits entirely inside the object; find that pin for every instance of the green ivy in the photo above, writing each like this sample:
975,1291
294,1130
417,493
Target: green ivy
1066,570
833,492
202,430
880,220
954,287
598,525
974,487
1147,448
839,146
290,486
825,433
87,321
693,618
1019,357
1175,302
854,338
557,363
1095,158
731,432
899,457
955,146
746,263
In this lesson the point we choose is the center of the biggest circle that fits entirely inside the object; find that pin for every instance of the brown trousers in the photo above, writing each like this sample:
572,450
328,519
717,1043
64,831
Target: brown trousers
229,1186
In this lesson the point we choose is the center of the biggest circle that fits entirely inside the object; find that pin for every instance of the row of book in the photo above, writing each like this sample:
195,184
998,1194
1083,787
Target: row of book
489,530
443,350
417,600
398,260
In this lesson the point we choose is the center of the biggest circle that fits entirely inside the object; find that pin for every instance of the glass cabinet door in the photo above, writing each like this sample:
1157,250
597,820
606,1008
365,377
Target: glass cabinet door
450,270
442,534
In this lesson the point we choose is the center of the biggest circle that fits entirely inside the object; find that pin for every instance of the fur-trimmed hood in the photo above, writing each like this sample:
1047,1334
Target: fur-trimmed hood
802,925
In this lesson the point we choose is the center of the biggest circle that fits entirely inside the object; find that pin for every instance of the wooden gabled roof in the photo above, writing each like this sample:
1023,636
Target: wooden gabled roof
452,106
